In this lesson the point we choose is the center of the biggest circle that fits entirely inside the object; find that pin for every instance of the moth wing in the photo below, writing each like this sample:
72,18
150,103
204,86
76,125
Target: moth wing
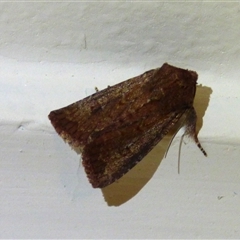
75,123
106,159
116,127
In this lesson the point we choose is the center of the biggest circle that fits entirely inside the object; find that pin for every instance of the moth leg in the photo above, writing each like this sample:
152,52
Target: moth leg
190,128
96,89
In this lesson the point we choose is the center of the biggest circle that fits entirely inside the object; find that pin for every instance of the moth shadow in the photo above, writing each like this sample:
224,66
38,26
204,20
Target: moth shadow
201,102
131,183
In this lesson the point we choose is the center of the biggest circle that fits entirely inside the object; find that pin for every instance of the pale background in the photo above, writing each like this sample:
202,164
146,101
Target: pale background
52,54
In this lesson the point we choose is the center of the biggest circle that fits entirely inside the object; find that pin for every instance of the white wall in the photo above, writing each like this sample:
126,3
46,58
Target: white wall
52,54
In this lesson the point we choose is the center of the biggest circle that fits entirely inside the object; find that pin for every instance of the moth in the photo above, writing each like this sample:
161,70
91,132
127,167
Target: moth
116,127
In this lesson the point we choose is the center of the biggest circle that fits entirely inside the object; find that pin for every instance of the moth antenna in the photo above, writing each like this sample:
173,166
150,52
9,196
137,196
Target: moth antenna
191,119
179,152
180,146
171,141
199,145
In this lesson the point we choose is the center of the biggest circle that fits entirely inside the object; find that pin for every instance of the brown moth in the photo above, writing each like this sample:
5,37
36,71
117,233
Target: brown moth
116,127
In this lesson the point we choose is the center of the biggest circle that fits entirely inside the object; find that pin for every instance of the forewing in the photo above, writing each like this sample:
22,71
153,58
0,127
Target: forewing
77,122
109,157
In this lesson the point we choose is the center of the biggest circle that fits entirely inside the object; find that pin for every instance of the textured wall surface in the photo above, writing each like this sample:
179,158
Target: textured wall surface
52,54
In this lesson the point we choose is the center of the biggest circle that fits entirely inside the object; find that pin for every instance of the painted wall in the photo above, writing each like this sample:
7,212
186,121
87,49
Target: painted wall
52,54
